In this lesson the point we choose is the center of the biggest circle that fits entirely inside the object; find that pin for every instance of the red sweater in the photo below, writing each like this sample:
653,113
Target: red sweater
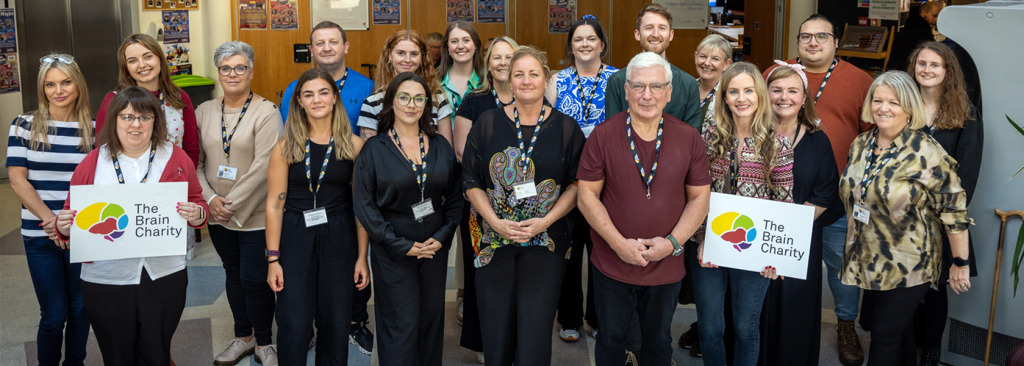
189,141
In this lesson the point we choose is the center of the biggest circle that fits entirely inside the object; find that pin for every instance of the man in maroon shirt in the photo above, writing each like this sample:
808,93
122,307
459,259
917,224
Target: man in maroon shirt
640,212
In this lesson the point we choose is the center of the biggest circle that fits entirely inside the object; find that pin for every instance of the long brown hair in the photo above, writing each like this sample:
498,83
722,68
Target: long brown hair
386,118
297,127
954,106
386,71
142,102
41,117
172,93
761,128
446,58
808,115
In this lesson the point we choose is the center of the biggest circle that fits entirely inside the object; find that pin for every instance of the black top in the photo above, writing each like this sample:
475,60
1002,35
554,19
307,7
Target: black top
475,104
965,145
816,177
386,189
336,189
916,31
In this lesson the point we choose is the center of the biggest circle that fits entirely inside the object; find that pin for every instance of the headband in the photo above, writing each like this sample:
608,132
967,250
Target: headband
796,67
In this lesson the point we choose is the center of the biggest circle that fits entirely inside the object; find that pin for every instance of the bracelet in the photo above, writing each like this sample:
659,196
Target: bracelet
273,260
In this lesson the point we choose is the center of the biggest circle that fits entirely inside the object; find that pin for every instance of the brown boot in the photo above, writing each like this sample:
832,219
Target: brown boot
850,351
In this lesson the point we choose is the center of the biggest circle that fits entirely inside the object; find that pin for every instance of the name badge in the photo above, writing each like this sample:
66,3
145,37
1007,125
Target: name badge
226,172
860,213
422,209
316,216
525,190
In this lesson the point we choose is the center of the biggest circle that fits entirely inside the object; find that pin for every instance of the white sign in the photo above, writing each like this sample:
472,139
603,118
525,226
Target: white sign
884,9
117,221
687,14
750,234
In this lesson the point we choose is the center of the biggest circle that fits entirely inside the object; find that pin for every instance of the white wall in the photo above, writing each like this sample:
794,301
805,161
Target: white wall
209,27
798,11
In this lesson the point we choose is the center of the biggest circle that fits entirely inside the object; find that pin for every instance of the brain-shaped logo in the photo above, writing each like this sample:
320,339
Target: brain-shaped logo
735,228
103,218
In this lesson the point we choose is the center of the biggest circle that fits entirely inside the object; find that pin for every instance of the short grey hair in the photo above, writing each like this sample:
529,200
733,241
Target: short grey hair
231,48
644,60
716,42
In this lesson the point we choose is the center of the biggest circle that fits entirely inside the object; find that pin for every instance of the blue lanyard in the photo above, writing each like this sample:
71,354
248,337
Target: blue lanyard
527,152
117,166
579,89
225,137
869,173
419,170
824,81
323,169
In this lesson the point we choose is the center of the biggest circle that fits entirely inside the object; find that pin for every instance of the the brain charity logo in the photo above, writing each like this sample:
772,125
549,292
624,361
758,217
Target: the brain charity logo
103,218
735,228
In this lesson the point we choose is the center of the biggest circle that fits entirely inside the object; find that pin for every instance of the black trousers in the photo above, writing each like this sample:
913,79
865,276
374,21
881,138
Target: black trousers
134,324
621,305
470,337
518,294
570,301
318,264
892,331
930,318
409,307
245,281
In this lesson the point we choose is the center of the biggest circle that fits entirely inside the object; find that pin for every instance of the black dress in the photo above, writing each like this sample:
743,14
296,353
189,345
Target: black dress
791,315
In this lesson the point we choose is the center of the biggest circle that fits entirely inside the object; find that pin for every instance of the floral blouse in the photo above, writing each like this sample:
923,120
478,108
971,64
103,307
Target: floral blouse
914,199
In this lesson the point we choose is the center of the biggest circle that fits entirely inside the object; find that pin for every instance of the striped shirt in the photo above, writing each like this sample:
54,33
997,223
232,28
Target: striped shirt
373,105
49,172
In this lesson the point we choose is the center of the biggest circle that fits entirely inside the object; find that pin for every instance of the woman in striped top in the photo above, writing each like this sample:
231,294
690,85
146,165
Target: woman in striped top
43,149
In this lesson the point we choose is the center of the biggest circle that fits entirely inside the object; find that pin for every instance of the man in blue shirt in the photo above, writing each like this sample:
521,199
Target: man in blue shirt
328,45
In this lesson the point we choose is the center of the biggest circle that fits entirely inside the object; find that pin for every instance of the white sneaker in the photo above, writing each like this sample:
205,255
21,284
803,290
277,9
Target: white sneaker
236,351
569,335
267,356
480,357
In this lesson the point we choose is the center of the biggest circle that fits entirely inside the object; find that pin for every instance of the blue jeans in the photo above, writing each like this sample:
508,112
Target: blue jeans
748,291
59,291
846,297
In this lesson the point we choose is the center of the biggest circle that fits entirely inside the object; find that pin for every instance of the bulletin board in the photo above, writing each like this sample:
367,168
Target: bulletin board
170,4
350,14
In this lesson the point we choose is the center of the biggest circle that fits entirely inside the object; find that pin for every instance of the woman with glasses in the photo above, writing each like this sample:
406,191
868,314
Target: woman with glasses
43,148
748,158
519,171
135,304
409,198
238,131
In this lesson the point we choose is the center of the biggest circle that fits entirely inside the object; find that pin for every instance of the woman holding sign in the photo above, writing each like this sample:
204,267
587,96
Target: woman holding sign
314,244
43,149
134,304
903,191
409,195
747,158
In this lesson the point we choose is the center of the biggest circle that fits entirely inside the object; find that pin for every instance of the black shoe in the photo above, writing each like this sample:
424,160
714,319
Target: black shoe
361,336
930,356
686,340
695,350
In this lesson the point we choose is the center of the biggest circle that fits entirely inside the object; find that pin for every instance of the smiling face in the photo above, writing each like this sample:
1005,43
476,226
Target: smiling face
929,69
460,46
328,47
710,62
787,97
143,65
136,135
498,65
741,96
814,52
235,83
406,56
586,45
528,80
409,103
655,33
647,104
887,111
317,99
61,92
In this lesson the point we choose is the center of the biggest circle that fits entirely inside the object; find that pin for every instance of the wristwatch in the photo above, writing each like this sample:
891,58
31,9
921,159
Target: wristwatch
960,262
272,253
676,248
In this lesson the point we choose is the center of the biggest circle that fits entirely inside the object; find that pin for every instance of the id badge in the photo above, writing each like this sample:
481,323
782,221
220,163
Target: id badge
525,190
316,216
860,213
226,172
422,209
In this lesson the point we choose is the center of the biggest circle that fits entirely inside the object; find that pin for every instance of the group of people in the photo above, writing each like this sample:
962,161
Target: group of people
534,167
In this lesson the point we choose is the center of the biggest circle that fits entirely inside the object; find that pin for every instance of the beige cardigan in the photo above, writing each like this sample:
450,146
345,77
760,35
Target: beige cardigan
250,153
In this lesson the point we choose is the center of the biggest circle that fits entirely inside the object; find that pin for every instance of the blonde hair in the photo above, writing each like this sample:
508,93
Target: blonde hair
530,51
38,140
808,115
716,42
761,127
488,81
297,127
906,92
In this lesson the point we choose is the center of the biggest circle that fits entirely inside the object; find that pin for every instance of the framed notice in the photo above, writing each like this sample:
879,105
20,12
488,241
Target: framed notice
490,11
884,9
459,10
687,14
561,15
750,234
349,14
170,4
284,15
387,12
118,221
252,14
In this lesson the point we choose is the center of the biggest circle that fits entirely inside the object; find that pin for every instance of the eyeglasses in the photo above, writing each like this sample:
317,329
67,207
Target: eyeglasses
131,118
47,60
405,99
239,70
639,88
821,37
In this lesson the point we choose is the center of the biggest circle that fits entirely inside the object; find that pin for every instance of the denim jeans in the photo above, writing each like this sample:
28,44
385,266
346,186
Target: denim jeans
59,292
748,291
245,281
846,297
622,306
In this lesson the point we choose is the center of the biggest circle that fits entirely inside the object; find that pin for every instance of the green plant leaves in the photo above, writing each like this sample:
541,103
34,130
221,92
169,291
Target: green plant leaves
1018,258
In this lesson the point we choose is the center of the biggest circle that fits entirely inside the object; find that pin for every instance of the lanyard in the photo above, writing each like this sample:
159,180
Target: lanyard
527,152
579,89
341,83
708,98
224,136
869,173
419,170
117,166
162,108
636,157
828,74
498,100
323,169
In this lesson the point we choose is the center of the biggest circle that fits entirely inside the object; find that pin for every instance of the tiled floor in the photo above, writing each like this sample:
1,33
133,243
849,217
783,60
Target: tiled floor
206,325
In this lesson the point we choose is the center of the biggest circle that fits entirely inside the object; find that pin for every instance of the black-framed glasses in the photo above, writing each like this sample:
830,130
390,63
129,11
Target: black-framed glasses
50,59
821,37
639,88
405,99
239,70
131,118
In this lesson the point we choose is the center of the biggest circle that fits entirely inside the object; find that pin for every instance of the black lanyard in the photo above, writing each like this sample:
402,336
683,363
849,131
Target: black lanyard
579,89
225,137
828,74
341,83
527,152
420,170
869,173
498,100
323,169
708,98
636,157
117,165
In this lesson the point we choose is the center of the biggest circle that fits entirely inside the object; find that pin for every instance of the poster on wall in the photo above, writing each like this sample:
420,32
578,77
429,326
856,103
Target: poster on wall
687,14
8,43
170,4
252,14
349,14
884,9
490,11
387,12
561,15
9,73
175,26
178,58
284,15
459,10
863,3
